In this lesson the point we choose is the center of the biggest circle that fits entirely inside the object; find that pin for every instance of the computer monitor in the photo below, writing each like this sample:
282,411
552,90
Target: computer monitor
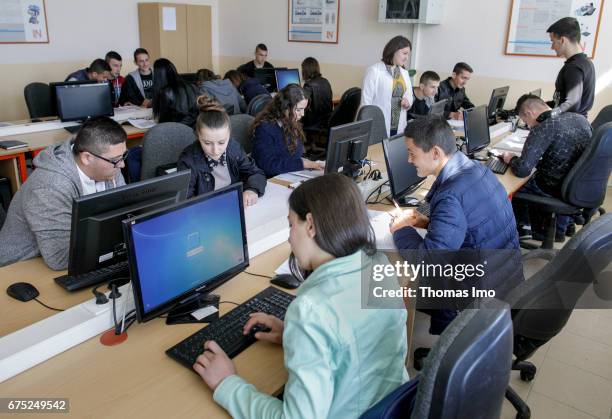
536,92
96,238
267,77
285,77
179,253
437,109
403,177
497,101
477,135
81,100
346,146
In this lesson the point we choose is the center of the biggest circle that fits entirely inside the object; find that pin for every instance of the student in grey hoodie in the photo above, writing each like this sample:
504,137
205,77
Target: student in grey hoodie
223,91
39,217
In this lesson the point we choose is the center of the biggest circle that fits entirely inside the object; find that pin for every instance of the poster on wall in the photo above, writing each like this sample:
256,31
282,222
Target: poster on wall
529,20
23,21
314,21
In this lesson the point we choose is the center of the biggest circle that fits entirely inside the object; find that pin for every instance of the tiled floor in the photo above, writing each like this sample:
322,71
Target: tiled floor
574,377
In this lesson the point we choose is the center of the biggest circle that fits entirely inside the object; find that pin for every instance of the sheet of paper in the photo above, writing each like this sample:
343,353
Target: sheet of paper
269,207
283,268
204,312
380,223
142,123
169,18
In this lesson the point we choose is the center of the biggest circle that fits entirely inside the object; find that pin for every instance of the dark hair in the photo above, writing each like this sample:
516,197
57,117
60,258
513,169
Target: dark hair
167,84
339,214
235,77
139,51
527,100
261,47
395,44
567,27
97,134
112,55
429,76
98,66
310,68
212,114
281,109
432,131
205,74
461,67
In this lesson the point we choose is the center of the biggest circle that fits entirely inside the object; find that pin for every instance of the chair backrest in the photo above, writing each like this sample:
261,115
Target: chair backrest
257,104
603,117
162,145
347,108
38,100
379,129
542,305
240,125
466,373
585,185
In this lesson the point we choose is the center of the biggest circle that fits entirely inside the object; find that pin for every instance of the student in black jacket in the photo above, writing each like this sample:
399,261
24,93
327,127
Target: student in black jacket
424,95
247,87
319,94
137,87
174,100
216,160
453,89
261,55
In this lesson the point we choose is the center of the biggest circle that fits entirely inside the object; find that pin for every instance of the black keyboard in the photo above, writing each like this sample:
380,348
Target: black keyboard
496,165
227,331
89,279
424,208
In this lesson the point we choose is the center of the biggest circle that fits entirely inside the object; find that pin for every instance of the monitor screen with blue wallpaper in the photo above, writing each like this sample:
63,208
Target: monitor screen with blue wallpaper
192,245
285,77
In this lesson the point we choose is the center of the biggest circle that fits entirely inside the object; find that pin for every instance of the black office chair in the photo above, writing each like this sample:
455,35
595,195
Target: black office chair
162,146
347,108
239,126
258,103
542,305
379,129
465,375
38,100
603,117
583,189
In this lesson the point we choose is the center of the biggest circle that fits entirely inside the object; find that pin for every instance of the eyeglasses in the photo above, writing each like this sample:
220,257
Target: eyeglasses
114,162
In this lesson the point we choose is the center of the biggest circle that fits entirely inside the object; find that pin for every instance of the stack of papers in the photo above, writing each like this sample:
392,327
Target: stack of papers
300,176
513,143
142,123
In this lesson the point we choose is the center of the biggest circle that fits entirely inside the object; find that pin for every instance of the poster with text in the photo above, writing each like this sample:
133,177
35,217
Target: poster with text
314,21
23,21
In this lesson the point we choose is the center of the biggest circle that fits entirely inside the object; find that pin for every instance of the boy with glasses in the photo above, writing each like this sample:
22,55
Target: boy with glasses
39,218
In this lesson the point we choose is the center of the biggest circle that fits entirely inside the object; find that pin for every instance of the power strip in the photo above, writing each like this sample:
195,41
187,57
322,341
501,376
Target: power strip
368,186
43,340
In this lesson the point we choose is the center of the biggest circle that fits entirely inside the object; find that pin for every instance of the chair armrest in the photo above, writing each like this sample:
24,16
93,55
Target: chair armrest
547,204
546,254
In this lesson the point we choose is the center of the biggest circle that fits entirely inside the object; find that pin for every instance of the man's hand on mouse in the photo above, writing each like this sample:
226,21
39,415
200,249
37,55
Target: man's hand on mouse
276,326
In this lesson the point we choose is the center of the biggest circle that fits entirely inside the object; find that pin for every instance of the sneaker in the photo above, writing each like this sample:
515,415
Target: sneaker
570,230
524,232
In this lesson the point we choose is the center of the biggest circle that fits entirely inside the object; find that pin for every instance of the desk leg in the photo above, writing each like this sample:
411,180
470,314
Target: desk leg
23,169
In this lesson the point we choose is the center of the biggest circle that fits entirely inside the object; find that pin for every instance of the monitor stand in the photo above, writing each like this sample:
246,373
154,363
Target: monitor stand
351,170
182,312
73,129
478,157
405,201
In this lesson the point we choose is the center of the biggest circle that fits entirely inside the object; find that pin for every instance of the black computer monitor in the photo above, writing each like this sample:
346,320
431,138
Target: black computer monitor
77,101
179,253
267,77
285,77
497,101
437,109
403,177
346,146
536,92
477,135
96,238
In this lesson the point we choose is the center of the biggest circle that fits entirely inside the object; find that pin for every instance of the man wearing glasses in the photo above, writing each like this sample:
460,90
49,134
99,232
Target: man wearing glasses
39,218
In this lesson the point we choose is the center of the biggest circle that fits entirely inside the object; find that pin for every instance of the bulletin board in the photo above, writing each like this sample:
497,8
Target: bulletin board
23,21
529,19
314,21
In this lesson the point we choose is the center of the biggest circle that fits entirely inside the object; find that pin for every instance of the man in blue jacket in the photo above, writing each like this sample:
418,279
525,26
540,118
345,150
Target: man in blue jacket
471,220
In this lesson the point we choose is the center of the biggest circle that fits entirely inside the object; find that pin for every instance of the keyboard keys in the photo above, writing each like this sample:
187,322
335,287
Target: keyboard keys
497,165
89,279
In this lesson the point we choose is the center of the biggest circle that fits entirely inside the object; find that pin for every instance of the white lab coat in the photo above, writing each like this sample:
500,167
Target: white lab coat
378,88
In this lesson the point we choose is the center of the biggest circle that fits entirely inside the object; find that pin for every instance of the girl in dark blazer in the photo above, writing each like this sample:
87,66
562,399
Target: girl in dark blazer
278,136
216,160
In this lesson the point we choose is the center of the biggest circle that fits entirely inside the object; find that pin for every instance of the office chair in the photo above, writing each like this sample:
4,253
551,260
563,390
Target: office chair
239,126
379,129
38,100
258,103
347,108
603,117
162,145
2,217
583,189
465,375
542,305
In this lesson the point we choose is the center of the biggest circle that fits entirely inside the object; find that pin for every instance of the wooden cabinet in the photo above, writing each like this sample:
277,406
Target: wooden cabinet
189,45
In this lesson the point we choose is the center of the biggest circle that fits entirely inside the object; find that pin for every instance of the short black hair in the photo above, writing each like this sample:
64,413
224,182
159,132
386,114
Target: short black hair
97,134
112,55
432,131
527,99
261,47
139,51
429,76
396,43
98,66
568,27
461,67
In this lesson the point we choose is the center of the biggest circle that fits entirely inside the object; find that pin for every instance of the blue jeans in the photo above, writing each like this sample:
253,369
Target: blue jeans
133,163
526,214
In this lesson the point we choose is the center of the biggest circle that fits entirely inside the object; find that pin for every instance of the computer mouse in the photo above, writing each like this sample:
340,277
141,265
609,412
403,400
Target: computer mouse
286,281
258,328
22,291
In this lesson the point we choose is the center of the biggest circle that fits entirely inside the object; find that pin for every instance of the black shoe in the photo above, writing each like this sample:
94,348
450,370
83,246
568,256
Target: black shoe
524,232
419,356
559,237
570,230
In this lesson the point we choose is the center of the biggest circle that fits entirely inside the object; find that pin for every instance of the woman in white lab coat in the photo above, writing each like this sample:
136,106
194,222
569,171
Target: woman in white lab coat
387,85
